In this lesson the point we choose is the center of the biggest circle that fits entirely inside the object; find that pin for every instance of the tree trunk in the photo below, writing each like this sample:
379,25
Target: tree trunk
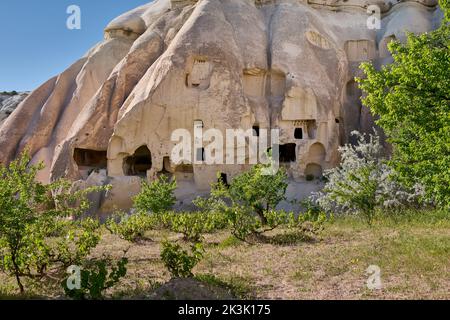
19,283
261,216
16,269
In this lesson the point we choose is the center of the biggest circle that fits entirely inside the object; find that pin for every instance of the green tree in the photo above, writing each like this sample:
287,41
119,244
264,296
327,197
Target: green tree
36,236
411,97
258,190
157,196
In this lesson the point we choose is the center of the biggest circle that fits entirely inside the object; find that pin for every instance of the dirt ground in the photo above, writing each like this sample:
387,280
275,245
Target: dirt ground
414,262
413,258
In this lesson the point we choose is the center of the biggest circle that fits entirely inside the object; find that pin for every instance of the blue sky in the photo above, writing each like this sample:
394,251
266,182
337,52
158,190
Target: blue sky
35,43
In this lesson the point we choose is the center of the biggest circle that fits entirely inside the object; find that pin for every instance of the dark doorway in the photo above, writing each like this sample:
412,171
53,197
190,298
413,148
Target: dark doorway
298,134
256,131
139,163
90,158
287,153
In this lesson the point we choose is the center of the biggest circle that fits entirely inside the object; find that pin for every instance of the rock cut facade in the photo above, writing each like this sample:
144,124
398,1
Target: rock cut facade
227,64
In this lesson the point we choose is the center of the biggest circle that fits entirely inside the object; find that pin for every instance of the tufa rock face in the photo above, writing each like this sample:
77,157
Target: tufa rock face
229,64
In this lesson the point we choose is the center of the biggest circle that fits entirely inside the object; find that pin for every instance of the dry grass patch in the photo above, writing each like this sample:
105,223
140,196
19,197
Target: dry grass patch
413,254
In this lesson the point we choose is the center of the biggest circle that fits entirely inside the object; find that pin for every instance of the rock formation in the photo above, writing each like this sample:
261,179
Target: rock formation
286,64
9,102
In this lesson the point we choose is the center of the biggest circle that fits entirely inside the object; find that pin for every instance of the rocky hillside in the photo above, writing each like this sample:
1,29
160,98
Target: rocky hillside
9,102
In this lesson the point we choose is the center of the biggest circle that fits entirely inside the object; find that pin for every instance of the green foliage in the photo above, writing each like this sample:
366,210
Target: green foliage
247,200
9,93
36,235
445,6
258,190
97,276
157,196
241,211
179,261
411,97
194,225
131,227
243,223
81,236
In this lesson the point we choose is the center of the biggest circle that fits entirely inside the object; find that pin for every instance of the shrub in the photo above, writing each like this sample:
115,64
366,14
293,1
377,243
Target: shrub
180,262
36,236
248,203
364,182
131,227
157,196
243,223
194,225
96,277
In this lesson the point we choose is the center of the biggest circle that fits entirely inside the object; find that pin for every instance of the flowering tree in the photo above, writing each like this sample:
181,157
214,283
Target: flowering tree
364,182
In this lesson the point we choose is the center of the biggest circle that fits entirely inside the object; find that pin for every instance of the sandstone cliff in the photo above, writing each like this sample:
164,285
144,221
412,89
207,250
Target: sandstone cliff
286,64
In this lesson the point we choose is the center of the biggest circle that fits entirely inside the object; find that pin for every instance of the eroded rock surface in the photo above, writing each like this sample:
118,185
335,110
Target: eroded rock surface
228,64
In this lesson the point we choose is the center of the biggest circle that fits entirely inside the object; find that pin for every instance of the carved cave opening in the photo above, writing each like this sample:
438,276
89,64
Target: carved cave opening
139,163
298,133
86,158
287,153
255,131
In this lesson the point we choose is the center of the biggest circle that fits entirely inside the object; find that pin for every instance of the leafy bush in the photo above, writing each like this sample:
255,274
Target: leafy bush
96,277
194,225
364,182
131,227
180,262
157,196
36,236
243,223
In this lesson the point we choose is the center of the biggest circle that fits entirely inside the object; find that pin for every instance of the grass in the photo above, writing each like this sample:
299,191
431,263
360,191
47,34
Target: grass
411,249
